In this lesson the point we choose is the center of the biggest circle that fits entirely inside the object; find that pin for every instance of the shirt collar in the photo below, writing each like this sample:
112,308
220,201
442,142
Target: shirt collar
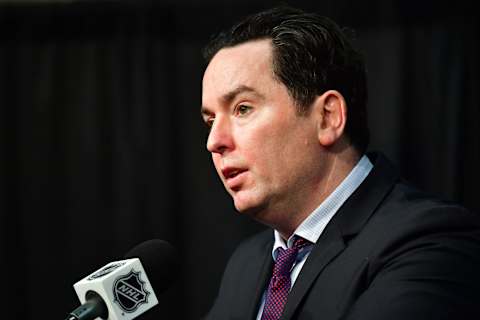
312,227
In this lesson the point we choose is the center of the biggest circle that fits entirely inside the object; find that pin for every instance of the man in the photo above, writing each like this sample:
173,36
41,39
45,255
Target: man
284,96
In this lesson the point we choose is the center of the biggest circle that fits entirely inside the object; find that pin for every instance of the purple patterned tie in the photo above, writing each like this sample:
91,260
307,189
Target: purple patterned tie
280,282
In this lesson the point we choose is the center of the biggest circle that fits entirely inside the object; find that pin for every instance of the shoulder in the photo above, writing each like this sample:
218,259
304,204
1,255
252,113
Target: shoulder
414,226
404,205
422,254
408,206
409,221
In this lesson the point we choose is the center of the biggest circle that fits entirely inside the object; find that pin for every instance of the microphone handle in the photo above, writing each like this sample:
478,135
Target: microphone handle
93,307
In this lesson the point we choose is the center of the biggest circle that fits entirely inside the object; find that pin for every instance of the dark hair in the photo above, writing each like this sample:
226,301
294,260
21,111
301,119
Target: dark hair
311,54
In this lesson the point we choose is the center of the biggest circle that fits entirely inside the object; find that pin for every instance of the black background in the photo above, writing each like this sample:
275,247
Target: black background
102,146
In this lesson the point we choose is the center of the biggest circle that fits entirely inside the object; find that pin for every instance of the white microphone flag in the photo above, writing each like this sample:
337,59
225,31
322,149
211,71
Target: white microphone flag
124,287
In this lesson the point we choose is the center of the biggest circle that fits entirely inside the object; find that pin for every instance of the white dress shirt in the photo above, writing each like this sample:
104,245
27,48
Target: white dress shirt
312,227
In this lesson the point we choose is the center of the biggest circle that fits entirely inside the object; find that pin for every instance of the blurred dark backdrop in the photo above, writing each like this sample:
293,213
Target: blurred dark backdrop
102,146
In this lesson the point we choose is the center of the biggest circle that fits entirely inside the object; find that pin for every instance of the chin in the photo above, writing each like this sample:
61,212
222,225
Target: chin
243,208
242,204
254,209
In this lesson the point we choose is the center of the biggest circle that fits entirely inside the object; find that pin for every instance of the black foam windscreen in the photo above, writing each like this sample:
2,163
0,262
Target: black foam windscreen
160,261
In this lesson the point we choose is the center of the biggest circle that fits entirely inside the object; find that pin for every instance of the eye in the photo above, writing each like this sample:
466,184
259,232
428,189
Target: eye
209,122
242,109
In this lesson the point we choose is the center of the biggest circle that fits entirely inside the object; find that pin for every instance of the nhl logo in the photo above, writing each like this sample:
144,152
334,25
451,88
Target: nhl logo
129,291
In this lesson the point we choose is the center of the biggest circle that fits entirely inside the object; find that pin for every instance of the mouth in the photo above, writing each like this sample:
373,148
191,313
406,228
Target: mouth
233,176
230,173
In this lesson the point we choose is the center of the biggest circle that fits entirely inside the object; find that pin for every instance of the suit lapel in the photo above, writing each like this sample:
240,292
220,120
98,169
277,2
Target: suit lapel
262,268
346,223
322,253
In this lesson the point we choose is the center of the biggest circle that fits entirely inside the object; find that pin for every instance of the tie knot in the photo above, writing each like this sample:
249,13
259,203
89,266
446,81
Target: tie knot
286,257
300,243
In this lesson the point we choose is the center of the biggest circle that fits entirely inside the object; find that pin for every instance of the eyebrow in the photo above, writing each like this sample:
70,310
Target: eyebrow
230,96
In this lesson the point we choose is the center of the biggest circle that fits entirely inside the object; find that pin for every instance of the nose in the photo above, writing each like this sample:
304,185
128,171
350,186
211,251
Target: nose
220,137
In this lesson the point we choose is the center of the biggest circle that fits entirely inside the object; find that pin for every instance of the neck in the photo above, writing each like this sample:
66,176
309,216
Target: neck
338,165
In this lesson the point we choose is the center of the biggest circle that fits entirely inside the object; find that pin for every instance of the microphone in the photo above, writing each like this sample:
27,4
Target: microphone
121,289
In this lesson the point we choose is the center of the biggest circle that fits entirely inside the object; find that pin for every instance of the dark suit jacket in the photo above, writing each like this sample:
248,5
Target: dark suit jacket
390,252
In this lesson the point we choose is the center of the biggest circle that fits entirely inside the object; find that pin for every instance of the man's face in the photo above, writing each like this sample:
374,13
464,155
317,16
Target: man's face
262,150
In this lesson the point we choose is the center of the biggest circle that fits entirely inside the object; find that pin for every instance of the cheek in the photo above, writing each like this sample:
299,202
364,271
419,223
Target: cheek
287,150
263,149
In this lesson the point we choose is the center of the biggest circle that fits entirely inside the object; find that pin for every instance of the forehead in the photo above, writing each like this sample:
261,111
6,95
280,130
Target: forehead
245,65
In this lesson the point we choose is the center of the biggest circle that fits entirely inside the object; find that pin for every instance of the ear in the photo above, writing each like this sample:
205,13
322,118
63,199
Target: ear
331,115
